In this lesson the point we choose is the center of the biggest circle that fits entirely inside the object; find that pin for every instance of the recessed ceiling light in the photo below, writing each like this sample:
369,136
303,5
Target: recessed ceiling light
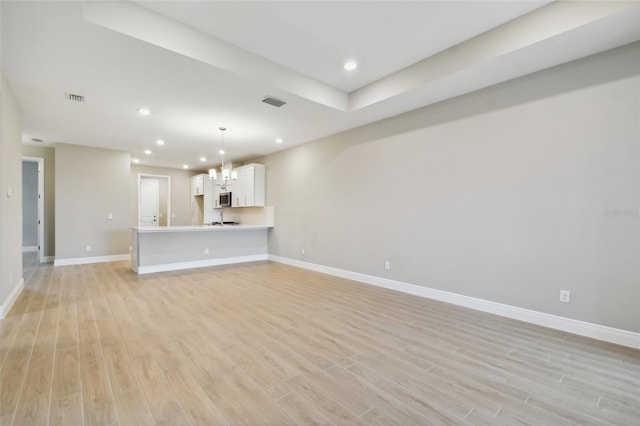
144,111
221,152
159,142
203,159
279,140
185,166
135,160
350,65
147,152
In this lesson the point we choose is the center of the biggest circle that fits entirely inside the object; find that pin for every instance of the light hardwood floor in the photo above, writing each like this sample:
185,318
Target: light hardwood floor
265,343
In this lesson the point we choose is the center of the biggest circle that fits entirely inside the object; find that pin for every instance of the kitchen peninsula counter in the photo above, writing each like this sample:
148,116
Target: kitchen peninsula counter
170,248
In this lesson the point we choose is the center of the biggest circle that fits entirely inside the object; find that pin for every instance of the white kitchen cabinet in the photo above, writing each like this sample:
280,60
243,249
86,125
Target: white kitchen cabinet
197,210
202,201
208,202
197,185
248,190
239,192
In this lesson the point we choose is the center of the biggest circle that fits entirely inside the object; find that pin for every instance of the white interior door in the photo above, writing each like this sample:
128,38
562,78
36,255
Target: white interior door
148,203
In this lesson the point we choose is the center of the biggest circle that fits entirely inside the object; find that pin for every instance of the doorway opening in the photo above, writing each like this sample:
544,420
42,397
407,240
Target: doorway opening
154,200
33,206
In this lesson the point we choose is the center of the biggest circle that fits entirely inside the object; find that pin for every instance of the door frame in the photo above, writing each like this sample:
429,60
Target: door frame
41,211
142,176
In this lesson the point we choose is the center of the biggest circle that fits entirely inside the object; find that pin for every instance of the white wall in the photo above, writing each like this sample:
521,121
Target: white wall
508,194
90,184
180,192
10,205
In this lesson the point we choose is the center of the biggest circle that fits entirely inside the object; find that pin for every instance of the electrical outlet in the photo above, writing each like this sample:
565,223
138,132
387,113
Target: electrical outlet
206,251
110,216
88,248
302,252
565,296
387,265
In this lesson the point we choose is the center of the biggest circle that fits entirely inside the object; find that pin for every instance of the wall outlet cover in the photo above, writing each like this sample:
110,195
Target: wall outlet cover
565,296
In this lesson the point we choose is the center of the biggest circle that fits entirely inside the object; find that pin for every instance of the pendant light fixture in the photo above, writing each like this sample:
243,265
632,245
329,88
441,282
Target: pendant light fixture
226,174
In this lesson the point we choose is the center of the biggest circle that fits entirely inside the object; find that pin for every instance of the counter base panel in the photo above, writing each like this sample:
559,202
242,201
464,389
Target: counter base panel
199,264
170,251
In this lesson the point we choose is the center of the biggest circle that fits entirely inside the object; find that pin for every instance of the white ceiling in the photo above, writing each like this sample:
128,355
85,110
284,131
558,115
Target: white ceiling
201,65
315,38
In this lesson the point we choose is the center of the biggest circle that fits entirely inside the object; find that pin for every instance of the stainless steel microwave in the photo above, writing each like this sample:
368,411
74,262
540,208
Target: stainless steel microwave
224,199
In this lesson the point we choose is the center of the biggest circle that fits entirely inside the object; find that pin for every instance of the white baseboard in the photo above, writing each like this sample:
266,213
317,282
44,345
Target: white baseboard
582,328
6,307
199,263
48,259
95,259
29,249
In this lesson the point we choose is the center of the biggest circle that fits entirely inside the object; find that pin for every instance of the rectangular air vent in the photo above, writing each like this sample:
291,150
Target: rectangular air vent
73,97
36,140
273,101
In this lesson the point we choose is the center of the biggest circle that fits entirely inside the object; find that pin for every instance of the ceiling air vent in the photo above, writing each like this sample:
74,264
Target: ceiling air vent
273,101
73,97
36,140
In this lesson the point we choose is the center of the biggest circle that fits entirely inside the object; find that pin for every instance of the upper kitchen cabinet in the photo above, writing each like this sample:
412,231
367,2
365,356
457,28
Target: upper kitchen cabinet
197,185
248,190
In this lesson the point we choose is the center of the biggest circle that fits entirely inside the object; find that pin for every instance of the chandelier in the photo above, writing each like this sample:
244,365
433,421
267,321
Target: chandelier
226,174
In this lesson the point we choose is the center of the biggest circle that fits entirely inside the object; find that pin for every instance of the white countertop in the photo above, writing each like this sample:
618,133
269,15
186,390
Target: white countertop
197,228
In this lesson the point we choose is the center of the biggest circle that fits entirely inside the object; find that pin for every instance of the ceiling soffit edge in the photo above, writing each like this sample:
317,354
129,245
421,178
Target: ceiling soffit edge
139,23
510,38
526,31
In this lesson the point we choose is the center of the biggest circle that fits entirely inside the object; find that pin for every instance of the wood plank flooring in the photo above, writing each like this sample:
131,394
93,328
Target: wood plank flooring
265,343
